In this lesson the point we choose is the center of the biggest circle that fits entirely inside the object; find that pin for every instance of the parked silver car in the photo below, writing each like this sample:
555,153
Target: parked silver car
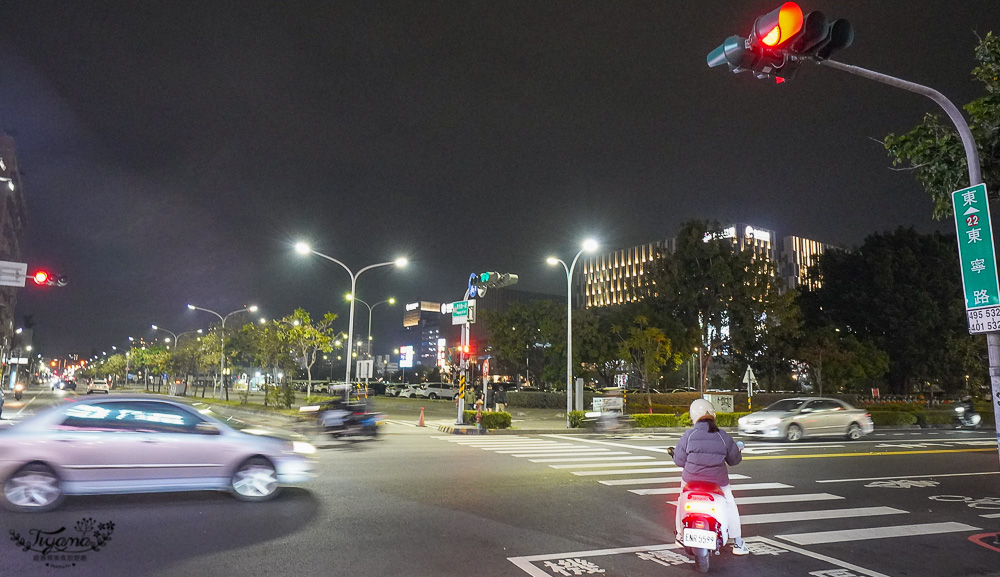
143,445
796,418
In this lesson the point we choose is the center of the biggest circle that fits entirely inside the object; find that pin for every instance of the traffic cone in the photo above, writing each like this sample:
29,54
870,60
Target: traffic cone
421,423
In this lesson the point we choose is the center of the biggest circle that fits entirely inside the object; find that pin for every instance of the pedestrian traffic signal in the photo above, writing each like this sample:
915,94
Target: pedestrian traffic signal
48,279
780,40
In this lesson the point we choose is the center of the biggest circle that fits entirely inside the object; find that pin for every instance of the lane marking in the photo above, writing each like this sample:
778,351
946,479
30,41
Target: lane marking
821,514
525,563
735,487
596,465
794,498
553,449
879,454
530,453
822,537
628,458
991,516
628,471
657,480
908,477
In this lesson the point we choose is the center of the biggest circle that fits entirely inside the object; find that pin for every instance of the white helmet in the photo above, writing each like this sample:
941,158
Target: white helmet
701,408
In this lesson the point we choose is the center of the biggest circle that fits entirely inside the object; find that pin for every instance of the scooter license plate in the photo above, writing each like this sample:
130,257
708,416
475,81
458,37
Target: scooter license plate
699,538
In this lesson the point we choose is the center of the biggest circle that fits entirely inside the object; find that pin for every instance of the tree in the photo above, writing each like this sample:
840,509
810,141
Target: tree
307,338
934,151
522,338
901,293
712,295
648,350
596,344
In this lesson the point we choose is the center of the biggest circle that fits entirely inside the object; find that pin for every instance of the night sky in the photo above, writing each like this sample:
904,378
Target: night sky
173,152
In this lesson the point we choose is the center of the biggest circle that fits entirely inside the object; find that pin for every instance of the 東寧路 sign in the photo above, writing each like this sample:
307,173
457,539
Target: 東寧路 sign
978,258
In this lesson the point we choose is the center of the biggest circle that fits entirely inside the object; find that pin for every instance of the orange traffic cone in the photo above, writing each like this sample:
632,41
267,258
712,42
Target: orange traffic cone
421,423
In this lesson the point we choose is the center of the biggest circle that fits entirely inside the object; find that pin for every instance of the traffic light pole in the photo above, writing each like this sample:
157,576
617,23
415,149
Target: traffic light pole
975,178
464,365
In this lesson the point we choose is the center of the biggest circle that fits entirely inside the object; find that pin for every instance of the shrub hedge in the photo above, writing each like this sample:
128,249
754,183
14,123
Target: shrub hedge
491,420
892,418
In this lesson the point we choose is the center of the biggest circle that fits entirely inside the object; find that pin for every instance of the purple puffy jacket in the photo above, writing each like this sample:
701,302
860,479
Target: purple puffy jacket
704,455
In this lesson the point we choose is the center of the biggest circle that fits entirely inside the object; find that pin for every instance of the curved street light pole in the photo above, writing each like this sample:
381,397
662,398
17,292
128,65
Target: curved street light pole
588,246
371,308
222,338
304,249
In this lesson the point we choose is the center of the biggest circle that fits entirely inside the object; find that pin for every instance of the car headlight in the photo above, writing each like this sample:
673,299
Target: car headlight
303,448
741,421
769,422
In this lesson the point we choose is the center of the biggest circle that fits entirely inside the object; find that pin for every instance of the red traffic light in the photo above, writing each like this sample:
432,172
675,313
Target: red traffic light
778,26
41,277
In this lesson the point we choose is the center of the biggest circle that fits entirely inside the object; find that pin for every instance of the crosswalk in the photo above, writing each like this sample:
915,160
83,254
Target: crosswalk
761,503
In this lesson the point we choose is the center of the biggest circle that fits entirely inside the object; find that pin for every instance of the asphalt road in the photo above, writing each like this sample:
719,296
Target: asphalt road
419,502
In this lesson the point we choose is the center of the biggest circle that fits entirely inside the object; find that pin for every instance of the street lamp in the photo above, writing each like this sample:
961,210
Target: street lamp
390,301
304,249
222,337
176,336
589,245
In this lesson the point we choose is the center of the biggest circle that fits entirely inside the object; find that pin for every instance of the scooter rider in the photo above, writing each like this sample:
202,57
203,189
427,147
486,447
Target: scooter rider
704,451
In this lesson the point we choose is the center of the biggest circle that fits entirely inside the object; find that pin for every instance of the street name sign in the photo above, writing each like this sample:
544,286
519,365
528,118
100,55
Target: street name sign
977,255
13,273
463,312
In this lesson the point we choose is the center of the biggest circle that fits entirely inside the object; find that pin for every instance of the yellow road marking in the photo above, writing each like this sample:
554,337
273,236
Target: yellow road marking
870,454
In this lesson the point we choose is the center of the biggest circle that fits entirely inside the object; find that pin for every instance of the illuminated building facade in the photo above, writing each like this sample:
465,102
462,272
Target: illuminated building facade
617,277
12,223
624,275
797,256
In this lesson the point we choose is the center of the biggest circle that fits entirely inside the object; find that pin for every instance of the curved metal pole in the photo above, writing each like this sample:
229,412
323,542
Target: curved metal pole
350,321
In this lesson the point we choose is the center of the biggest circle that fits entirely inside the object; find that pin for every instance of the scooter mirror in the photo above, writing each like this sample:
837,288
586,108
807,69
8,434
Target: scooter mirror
740,444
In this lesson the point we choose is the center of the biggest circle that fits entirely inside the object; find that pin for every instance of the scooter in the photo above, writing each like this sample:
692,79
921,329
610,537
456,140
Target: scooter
967,417
704,523
18,391
339,420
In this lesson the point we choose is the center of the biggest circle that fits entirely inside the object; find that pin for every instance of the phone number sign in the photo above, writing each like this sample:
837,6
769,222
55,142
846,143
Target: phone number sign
978,258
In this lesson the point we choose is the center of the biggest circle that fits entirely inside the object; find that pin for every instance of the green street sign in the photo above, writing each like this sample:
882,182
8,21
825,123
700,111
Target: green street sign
460,309
977,255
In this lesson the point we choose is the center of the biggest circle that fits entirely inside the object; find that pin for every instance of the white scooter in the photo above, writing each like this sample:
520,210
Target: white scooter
704,523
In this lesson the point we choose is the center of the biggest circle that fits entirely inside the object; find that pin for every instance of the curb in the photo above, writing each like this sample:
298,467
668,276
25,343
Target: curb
462,430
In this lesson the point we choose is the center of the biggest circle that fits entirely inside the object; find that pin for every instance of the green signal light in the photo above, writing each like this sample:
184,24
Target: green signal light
484,277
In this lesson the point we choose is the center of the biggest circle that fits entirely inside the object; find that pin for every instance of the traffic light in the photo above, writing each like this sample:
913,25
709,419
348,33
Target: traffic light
780,40
487,280
46,278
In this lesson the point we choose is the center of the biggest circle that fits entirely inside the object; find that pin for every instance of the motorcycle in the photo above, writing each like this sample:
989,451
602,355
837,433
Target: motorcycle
18,391
343,420
704,523
967,417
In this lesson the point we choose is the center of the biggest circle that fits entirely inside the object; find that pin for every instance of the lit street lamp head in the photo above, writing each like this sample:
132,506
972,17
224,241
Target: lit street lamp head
253,309
190,306
302,248
401,262
552,260
590,245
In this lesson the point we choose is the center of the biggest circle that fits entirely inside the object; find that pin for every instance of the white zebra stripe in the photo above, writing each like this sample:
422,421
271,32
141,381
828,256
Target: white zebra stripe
876,533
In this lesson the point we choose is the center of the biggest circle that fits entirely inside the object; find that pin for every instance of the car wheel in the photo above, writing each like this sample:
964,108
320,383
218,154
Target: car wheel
793,433
854,432
432,396
254,480
34,488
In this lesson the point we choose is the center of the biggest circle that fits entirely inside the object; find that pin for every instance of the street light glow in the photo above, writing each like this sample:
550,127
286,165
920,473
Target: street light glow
552,260
302,248
401,262
590,245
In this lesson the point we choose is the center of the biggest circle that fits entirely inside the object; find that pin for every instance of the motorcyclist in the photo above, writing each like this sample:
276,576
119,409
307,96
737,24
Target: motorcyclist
968,409
704,451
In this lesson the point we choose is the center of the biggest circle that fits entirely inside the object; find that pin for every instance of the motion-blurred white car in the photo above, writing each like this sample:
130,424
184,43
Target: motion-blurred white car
794,419
143,445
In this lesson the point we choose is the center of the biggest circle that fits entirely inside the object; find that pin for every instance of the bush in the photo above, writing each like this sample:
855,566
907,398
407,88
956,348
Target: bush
939,417
728,419
643,420
576,419
491,419
317,399
892,418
